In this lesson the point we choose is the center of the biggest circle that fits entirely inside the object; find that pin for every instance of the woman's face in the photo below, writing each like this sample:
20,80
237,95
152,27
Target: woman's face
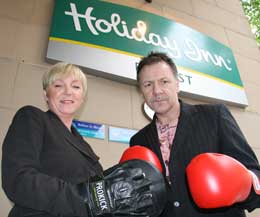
65,96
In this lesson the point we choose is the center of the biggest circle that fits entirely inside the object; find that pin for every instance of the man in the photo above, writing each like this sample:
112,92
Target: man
180,132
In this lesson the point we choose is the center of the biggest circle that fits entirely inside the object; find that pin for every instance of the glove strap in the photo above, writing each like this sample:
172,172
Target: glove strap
256,182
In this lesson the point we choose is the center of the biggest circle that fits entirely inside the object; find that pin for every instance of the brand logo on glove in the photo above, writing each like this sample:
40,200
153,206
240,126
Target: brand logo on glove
101,198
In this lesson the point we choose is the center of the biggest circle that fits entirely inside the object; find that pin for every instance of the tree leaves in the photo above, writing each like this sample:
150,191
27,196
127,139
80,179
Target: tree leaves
252,11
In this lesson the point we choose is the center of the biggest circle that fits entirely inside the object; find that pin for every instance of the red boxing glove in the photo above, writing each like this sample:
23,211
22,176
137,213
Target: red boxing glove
217,180
141,153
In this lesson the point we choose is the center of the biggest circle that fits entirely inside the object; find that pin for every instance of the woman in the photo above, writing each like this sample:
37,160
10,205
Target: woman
43,154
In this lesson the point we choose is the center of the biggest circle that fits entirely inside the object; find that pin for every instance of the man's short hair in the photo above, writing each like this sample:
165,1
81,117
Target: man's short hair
155,57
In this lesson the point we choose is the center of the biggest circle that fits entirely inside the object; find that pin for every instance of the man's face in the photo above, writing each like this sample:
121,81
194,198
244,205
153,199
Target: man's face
159,87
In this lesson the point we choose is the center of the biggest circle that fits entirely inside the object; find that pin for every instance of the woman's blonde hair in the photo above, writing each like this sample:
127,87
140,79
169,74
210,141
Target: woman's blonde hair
61,70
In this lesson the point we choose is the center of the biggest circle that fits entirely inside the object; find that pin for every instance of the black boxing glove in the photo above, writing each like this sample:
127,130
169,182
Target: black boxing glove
132,188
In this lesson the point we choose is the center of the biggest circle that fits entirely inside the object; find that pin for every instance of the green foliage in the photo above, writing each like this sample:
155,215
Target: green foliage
252,11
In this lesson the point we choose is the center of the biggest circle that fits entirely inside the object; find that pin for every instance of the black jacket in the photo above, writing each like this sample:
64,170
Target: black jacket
41,164
201,128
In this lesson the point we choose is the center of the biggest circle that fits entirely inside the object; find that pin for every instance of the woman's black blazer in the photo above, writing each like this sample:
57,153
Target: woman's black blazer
42,161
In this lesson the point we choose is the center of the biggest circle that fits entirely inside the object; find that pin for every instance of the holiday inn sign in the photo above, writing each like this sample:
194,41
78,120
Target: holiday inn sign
109,40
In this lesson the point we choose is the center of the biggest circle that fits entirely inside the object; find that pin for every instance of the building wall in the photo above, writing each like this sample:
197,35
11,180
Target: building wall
25,27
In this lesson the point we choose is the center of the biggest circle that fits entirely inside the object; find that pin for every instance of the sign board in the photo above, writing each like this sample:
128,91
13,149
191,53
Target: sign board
91,130
110,39
123,135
